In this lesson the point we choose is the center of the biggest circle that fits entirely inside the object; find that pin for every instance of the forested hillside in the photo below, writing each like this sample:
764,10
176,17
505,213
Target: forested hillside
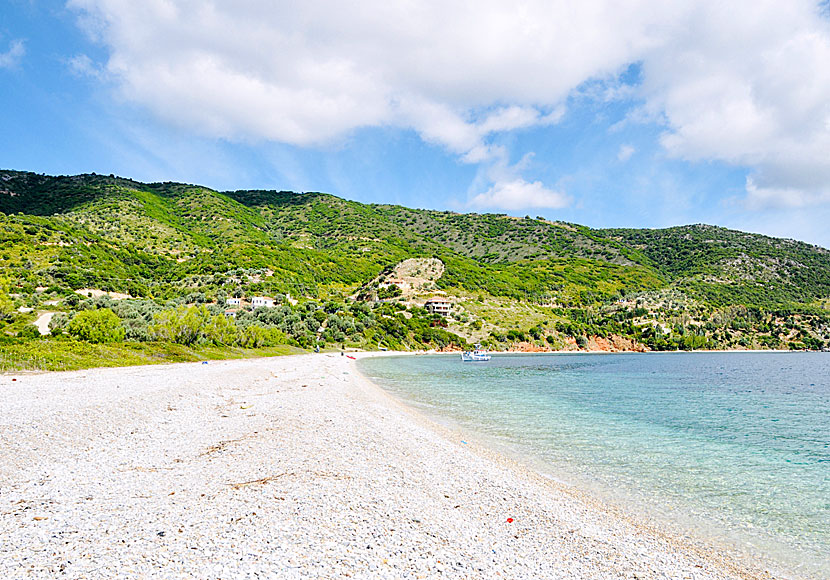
174,252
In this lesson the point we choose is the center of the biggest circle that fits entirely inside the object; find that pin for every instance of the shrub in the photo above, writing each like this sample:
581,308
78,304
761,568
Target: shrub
29,331
6,304
58,323
96,326
254,337
184,325
221,330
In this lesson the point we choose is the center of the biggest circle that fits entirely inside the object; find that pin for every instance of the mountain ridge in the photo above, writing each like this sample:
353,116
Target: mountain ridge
166,240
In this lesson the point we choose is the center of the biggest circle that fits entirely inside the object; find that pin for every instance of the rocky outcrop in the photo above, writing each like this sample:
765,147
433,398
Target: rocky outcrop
614,344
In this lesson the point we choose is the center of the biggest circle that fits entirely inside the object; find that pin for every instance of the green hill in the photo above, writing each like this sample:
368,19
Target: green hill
728,267
512,280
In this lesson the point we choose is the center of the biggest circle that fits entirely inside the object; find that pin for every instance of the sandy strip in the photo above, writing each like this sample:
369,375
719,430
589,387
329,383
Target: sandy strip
290,467
43,321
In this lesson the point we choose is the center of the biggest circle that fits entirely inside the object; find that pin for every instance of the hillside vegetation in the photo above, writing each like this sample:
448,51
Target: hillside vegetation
179,251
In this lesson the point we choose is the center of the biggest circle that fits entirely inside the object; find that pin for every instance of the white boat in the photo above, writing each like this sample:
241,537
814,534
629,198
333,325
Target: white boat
476,355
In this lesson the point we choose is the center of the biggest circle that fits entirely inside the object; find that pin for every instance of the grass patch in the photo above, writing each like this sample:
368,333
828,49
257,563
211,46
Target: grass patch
67,355
506,313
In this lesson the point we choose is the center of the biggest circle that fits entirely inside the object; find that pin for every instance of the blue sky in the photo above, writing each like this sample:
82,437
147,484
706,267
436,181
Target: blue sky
648,115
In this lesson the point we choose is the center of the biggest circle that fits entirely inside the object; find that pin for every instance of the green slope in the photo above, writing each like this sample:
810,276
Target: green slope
166,231
172,241
724,266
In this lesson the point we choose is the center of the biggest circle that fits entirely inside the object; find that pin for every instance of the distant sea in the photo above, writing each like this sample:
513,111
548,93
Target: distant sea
731,447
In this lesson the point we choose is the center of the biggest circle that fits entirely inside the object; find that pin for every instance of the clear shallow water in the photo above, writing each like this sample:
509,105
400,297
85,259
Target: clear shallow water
735,446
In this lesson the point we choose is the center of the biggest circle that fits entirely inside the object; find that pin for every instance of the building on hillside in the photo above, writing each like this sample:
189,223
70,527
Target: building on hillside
265,301
438,305
231,312
402,284
234,301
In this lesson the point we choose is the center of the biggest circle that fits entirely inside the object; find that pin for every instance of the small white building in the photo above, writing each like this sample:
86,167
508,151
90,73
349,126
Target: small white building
234,301
438,305
265,301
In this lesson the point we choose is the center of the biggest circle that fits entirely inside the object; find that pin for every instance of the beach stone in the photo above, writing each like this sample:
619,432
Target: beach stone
158,472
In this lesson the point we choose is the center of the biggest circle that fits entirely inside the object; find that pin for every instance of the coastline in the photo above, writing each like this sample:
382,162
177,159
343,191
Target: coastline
289,467
698,531
535,352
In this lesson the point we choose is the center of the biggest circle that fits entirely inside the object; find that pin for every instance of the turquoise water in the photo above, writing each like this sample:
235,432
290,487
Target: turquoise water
733,447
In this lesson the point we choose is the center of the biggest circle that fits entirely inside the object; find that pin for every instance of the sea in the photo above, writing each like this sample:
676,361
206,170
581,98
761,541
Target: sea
729,448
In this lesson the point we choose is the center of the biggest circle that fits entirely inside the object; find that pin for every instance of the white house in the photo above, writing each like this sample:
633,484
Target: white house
265,301
438,305
233,301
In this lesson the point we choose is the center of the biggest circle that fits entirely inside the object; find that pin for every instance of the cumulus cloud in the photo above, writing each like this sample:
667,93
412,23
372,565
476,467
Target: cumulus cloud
743,82
12,57
308,72
518,194
764,197
509,190
752,91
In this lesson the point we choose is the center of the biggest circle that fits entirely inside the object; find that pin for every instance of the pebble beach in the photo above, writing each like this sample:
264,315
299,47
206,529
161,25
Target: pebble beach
290,467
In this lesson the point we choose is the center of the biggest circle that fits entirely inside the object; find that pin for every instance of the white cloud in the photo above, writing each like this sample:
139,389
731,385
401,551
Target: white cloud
509,191
752,91
308,72
742,82
83,66
515,117
763,197
12,57
625,152
518,194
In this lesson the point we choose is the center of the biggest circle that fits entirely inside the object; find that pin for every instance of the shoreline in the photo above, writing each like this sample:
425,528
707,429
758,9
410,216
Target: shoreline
686,528
195,360
575,351
289,467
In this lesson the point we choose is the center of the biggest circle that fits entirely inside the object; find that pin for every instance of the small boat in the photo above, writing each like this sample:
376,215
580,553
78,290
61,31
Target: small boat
476,355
